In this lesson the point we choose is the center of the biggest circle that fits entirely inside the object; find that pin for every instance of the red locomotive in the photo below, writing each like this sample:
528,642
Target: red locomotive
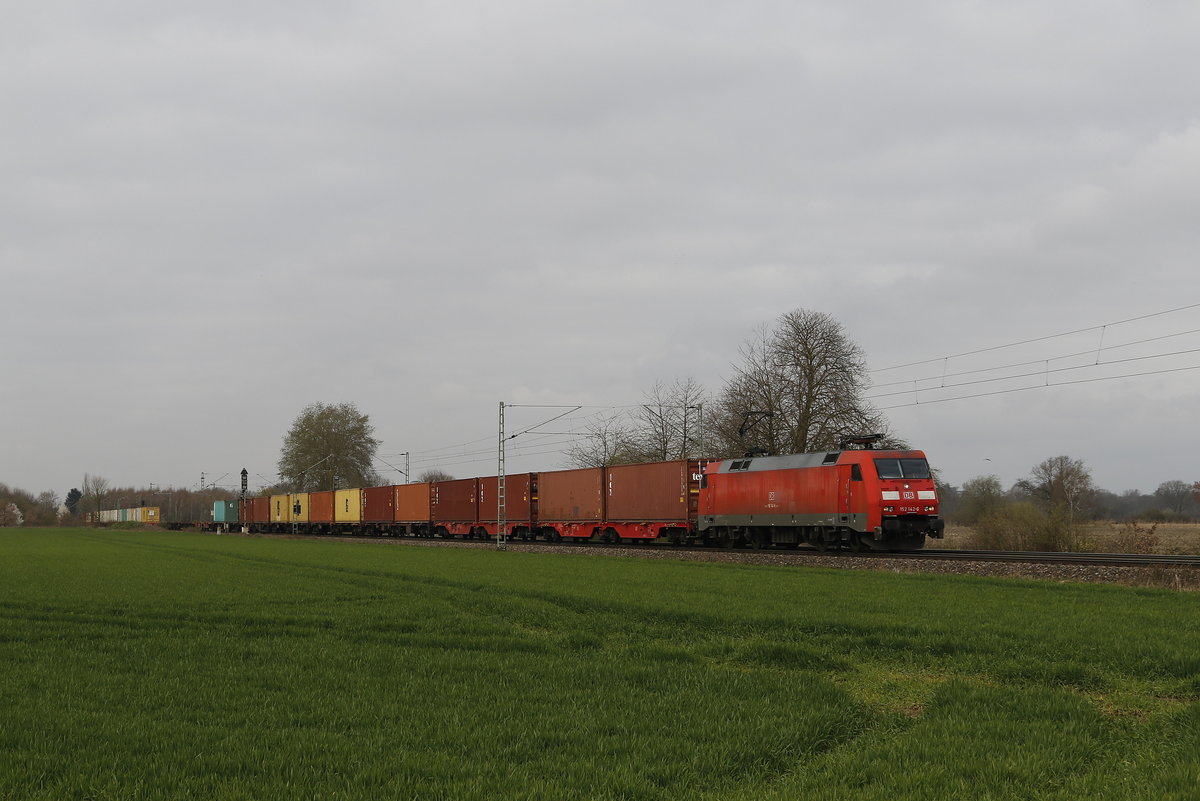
860,499
857,498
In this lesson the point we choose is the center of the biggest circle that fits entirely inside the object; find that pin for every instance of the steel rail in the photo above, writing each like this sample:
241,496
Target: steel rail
1029,557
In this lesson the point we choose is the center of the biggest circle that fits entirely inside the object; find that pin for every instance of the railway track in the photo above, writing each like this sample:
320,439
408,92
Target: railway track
1054,557
1025,557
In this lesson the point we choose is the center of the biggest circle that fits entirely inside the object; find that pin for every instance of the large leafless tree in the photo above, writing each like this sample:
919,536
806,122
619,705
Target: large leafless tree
669,425
95,488
607,439
1060,482
799,388
1177,495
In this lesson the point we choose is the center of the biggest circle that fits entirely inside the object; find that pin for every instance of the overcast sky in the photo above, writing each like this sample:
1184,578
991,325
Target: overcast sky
215,213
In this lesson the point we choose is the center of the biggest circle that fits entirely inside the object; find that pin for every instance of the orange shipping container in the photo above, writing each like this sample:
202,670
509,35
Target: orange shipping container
412,503
571,495
657,491
455,501
320,506
379,504
518,498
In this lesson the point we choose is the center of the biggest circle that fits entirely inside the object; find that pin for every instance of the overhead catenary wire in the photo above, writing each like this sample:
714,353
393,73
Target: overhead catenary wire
1042,386
1013,365
931,387
1033,340
1048,371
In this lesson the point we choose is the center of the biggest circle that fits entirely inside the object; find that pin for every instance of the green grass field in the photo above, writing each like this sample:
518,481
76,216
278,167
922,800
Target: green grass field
170,666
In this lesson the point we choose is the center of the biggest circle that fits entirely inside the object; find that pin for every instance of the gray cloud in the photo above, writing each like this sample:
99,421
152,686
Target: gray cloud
212,216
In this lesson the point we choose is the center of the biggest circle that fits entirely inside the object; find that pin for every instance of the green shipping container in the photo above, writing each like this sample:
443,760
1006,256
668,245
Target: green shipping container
225,512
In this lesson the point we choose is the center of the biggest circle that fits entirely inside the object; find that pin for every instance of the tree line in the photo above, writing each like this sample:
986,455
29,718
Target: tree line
1049,510
798,387
18,507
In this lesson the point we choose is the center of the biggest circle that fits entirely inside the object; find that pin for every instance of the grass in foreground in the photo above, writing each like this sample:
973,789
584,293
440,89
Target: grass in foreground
156,666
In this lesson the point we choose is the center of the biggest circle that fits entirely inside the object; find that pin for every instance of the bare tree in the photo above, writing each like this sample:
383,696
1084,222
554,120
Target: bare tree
1176,494
1060,482
668,425
94,490
799,388
607,440
429,476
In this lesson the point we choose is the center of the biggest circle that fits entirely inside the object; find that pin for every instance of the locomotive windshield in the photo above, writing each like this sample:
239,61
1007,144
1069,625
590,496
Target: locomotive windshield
902,468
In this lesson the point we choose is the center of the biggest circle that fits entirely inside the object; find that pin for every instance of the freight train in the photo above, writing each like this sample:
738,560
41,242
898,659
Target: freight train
149,515
857,498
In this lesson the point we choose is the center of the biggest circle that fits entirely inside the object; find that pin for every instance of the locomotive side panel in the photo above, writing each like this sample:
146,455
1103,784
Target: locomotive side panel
781,495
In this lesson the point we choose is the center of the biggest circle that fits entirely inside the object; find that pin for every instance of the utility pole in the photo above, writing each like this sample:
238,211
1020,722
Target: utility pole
501,511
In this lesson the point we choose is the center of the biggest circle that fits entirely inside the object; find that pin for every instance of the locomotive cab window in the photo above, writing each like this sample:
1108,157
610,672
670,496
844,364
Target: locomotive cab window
902,468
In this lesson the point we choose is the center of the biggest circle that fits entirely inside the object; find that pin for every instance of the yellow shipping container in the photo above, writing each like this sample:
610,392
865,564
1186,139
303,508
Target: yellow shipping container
299,507
281,509
150,514
347,506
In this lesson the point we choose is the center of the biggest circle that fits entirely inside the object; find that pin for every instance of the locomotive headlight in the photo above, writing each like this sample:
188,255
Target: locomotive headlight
889,508
930,508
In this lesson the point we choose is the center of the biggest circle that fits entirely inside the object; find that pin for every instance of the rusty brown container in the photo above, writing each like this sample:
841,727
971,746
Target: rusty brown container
519,492
260,509
320,507
658,491
571,495
412,502
455,501
379,504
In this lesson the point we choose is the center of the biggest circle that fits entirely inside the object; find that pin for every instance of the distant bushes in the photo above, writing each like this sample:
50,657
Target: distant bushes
1023,526
1133,537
